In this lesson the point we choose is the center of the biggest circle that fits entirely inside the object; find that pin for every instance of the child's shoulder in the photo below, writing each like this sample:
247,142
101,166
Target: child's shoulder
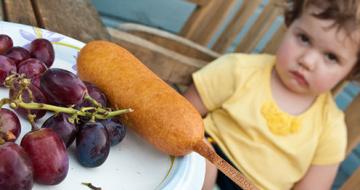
330,109
255,61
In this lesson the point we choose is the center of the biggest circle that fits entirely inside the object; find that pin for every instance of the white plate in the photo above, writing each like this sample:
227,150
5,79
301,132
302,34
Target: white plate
133,164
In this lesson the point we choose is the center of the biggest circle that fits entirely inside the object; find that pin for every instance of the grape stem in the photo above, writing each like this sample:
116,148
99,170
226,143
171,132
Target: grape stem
91,186
92,100
4,101
96,112
68,110
31,119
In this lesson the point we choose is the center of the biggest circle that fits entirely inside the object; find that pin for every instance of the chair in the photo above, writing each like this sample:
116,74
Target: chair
352,119
175,57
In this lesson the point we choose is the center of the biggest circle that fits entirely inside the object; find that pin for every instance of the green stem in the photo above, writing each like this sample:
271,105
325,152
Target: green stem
85,109
31,119
4,101
67,110
92,100
40,106
113,113
91,186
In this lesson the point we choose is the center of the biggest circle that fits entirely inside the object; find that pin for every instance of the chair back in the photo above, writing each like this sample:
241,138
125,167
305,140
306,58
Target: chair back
246,25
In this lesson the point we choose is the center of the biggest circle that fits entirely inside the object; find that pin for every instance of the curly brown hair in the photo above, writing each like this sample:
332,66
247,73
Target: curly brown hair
344,13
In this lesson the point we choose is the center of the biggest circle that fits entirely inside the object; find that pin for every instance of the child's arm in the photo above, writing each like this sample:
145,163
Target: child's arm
318,177
192,95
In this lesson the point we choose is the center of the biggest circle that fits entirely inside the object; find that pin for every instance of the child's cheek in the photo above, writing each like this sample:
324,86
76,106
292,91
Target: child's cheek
283,55
287,49
322,84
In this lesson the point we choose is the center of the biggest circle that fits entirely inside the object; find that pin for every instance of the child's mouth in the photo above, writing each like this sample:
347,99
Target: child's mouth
300,79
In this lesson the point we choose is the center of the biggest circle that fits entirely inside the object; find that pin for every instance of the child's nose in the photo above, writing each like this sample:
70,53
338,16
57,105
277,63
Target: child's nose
308,59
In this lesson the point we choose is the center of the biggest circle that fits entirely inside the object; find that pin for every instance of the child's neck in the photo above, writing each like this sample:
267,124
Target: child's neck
287,100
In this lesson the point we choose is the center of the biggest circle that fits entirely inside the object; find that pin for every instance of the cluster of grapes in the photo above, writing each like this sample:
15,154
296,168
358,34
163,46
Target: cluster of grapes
81,112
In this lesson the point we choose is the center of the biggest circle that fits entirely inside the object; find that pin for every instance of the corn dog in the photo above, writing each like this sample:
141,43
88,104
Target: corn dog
161,115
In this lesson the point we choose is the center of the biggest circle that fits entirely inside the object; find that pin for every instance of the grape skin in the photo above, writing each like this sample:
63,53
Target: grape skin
61,125
16,172
5,43
48,155
116,130
62,87
43,50
92,144
18,54
9,122
7,66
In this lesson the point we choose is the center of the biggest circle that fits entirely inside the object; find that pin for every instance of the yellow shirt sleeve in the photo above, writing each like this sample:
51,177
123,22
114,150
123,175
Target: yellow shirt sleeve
332,143
213,86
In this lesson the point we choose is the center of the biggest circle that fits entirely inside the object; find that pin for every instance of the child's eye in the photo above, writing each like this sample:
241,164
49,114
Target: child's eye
304,39
332,58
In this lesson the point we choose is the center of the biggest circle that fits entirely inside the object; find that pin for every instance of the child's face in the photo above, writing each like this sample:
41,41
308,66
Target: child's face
313,57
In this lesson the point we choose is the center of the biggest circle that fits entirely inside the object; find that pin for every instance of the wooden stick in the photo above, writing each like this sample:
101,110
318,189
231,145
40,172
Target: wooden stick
206,151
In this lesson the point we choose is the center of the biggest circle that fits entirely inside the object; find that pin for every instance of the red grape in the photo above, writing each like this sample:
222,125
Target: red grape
43,50
92,144
60,124
9,122
32,68
5,43
48,155
115,129
36,81
16,172
18,54
7,66
62,87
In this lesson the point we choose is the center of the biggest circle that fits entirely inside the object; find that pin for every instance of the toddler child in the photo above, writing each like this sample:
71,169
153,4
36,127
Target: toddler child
273,116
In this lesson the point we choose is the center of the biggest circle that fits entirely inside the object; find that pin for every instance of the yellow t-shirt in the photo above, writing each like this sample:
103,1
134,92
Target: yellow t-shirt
270,147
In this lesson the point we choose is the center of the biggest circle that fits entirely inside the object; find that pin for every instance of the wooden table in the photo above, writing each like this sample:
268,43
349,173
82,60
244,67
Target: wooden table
75,18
